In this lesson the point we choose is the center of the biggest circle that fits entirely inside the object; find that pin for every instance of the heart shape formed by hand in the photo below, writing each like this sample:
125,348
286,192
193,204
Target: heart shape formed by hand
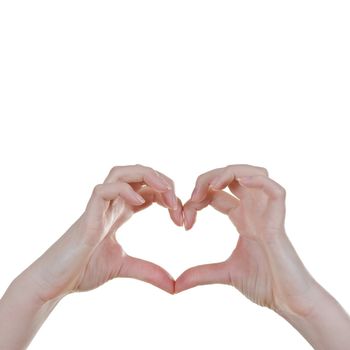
254,205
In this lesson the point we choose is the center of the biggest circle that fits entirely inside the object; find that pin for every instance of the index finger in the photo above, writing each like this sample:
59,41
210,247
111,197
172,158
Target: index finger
138,173
219,200
222,177
144,175
150,196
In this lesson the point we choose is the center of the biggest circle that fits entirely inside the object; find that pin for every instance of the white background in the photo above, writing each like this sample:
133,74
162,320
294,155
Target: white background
184,87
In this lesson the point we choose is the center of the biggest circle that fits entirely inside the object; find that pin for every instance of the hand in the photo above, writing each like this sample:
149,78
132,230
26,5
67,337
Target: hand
264,265
88,254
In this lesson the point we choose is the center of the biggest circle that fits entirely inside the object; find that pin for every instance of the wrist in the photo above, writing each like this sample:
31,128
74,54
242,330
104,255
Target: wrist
295,290
23,288
304,307
326,325
22,294
22,313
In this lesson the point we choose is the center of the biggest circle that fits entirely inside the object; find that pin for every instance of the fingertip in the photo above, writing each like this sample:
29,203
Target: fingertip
170,200
175,202
196,195
190,226
178,223
169,287
185,220
172,290
186,224
181,218
139,199
148,272
176,216
177,289
163,180
183,282
163,281
188,219
133,198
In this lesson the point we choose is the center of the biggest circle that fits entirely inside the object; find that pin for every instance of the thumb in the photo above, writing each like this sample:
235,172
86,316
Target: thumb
148,272
201,275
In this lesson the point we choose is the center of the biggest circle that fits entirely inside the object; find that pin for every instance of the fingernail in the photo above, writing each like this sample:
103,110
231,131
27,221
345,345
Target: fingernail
181,219
162,180
186,222
244,178
194,194
173,202
139,198
164,183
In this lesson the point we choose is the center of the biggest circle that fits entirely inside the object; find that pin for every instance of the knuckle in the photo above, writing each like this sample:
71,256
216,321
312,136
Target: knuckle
115,169
138,165
200,179
262,171
172,183
239,166
230,167
97,190
121,184
143,169
281,192
149,170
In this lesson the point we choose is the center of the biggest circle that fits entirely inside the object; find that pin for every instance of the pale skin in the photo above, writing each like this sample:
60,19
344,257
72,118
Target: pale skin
264,265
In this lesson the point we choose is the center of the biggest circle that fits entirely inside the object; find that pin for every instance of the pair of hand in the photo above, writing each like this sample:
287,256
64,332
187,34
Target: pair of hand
263,266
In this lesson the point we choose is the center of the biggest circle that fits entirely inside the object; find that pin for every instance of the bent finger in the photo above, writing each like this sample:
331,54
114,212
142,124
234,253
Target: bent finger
150,196
104,193
229,174
270,187
201,187
219,200
139,174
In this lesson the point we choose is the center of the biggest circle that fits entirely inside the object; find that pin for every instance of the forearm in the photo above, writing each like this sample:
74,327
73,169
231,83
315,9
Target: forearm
318,317
21,315
327,327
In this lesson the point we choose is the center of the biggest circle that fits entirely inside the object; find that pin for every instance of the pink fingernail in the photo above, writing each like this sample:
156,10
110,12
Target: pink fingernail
139,198
164,183
180,218
174,204
244,178
194,194
185,222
